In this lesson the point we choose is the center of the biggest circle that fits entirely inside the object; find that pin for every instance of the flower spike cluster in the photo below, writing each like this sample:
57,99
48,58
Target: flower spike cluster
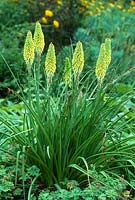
29,50
38,44
39,41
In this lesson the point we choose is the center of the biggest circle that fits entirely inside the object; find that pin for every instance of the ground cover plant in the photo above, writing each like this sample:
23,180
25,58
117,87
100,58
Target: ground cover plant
72,127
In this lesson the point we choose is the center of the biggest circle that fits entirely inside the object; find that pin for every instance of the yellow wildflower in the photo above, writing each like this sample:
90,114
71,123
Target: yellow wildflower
90,13
112,5
129,10
39,41
78,58
44,20
100,3
48,13
84,2
29,50
119,6
56,24
50,62
67,73
102,7
92,4
132,3
97,9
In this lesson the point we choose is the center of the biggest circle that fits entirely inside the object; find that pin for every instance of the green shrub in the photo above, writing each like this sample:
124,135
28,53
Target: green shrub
12,13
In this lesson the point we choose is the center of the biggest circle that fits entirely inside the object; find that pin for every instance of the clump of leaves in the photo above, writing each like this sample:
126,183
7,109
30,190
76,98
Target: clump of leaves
59,125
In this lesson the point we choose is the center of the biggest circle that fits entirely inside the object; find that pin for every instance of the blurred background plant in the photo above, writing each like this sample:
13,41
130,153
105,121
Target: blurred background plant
64,23
96,7
119,27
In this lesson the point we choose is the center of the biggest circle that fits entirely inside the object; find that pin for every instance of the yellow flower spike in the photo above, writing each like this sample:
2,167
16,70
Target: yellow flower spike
108,51
101,64
50,63
56,24
78,59
48,13
29,50
44,20
39,41
67,73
